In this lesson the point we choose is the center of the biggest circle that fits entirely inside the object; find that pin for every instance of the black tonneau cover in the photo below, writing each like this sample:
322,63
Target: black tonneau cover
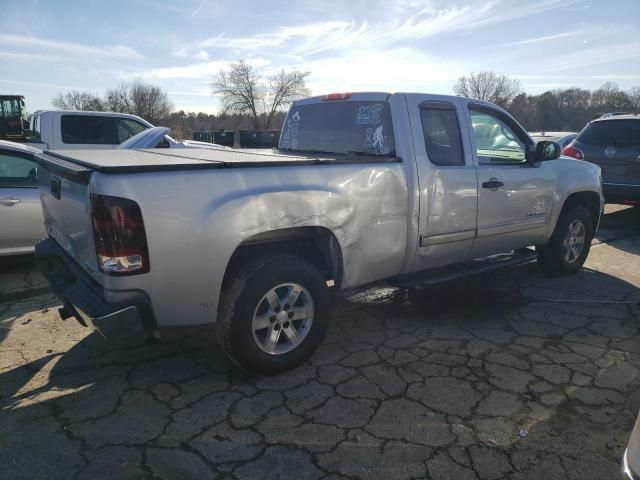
78,164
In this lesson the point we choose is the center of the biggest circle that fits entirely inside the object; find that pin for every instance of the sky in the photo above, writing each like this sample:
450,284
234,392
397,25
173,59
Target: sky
47,47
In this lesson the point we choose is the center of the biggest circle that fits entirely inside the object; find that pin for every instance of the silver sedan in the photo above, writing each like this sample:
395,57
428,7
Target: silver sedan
21,221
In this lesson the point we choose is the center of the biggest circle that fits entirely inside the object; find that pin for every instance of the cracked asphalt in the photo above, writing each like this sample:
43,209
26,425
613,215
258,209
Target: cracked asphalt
512,375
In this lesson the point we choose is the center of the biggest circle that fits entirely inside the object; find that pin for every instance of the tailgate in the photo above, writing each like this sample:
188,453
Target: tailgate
64,193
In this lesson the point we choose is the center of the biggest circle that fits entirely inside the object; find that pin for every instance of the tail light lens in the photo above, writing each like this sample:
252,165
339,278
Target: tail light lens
573,152
119,236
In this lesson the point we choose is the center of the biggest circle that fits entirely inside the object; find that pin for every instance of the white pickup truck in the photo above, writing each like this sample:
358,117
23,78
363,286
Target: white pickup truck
66,130
367,186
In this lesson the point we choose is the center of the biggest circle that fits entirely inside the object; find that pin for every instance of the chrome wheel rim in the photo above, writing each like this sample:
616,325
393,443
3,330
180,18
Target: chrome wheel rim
574,241
282,319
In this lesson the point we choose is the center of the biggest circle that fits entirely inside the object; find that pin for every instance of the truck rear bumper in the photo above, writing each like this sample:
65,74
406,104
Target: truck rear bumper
128,317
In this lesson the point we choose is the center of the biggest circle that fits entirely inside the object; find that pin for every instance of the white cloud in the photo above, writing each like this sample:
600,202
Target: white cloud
30,57
541,39
201,55
200,70
399,69
426,21
22,41
588,57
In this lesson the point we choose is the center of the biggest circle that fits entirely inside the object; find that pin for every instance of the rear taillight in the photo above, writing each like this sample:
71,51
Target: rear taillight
119,236
573,152
336,96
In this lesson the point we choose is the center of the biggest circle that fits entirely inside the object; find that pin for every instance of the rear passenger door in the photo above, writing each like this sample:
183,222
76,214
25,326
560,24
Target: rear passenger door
21,220
447,181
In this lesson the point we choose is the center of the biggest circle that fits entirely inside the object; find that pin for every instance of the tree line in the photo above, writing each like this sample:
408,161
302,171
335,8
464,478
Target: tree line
566,109
136,98
249,100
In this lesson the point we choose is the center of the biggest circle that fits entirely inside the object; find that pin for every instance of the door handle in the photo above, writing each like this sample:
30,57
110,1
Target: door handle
492,184
9,201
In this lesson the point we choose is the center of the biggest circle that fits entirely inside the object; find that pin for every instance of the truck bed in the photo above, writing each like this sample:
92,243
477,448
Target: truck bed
134,161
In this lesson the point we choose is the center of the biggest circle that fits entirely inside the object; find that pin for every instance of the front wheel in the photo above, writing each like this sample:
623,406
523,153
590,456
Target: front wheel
274,315
568,248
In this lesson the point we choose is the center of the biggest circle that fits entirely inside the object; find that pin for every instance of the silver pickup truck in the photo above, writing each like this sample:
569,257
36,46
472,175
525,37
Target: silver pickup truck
365,187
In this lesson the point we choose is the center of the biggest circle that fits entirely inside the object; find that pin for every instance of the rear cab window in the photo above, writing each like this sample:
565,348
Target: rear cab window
349,127
619,133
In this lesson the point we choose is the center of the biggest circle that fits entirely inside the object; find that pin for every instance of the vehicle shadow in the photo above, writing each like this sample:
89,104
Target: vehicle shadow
617,225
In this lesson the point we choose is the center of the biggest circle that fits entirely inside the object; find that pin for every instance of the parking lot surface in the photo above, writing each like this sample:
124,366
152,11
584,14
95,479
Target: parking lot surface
510,375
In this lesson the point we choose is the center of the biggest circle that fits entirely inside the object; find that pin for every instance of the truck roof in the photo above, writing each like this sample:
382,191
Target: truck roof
91,113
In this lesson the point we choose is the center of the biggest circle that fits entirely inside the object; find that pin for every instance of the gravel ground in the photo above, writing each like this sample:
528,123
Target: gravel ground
512,375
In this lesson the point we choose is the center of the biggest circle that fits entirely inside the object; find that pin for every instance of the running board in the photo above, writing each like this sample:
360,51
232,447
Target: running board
465,269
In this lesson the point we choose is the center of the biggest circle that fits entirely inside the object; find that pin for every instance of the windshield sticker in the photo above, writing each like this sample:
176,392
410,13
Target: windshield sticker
378,139
370,114
374,141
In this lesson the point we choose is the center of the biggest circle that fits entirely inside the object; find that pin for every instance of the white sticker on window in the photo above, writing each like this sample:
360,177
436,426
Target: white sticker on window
378,139
374,141
290,132
370,114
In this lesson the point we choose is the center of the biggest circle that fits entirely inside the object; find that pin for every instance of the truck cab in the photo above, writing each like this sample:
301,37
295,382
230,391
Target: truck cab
66,130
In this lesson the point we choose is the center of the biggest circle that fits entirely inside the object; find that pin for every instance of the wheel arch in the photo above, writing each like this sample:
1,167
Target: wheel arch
317,245
588,199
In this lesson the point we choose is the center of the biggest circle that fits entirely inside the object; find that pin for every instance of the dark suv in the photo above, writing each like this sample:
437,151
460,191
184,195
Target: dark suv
613,143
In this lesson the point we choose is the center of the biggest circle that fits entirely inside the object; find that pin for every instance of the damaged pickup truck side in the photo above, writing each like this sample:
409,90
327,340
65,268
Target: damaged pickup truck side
365,187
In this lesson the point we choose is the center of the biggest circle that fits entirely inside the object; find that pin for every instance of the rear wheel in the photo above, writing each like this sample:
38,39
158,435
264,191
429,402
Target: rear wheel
568,248
274,315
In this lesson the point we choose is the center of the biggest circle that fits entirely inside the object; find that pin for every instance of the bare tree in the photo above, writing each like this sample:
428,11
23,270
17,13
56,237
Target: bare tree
634,96
285,88
139,98
489,86
117,99
239,90
243,91
77,100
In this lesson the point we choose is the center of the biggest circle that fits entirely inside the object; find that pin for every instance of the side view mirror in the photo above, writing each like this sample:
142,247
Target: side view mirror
546,150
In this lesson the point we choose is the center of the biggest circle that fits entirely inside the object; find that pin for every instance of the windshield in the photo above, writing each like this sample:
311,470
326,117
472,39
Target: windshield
611,132
10,108
342,128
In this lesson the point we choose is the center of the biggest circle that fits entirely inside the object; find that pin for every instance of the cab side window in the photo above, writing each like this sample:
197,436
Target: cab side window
17,171
442,134
88,129
495,141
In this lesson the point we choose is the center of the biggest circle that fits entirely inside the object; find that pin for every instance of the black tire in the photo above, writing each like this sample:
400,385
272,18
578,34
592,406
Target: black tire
244,296
551,257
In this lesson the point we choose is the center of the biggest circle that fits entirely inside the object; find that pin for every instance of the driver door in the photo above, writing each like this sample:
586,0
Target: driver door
515,196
